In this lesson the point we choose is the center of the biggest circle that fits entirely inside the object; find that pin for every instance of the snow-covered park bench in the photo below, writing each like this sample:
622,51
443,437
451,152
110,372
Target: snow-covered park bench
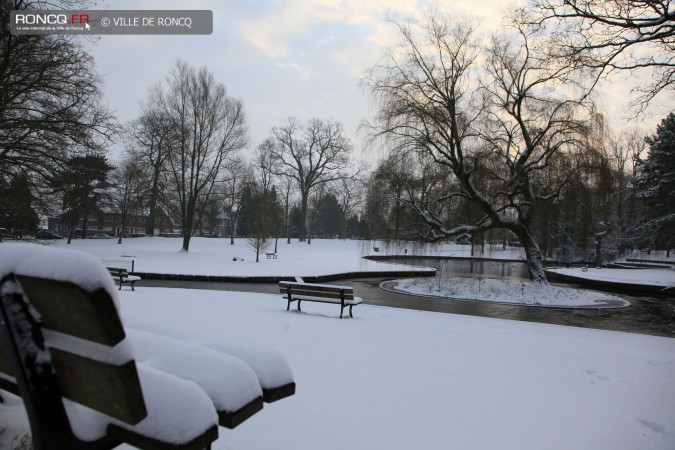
271,255
64,350
121,275
323,293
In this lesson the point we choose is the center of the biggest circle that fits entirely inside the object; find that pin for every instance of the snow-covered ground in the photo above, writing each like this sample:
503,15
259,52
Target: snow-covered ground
402,379
507,291
651,277
208,256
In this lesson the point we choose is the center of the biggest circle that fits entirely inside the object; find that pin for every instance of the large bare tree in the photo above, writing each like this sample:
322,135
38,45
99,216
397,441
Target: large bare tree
210,127
311,155
129,186
150,138
495,125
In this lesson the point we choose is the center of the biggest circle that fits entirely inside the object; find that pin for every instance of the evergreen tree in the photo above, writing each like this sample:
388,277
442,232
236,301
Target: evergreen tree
17,215
245,211
657,186
82,183
330,219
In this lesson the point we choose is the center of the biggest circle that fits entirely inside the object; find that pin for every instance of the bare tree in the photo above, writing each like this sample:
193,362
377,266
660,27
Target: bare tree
236,176
624,154
210,126
286,185
349,193
495,138
50,100
606,36
311,155
129,184
150,138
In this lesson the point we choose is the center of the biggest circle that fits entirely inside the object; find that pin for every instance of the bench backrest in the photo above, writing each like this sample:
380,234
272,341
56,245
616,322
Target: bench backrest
118,272
317,290
87,368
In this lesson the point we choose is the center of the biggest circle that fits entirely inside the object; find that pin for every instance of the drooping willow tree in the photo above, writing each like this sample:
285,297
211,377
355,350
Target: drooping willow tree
499,116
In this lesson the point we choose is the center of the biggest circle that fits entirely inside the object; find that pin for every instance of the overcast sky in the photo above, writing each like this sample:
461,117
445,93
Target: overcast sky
282,58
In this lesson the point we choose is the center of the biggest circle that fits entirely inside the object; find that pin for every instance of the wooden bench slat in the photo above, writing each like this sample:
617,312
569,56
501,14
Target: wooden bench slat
328,295
67,308
111,389
314,287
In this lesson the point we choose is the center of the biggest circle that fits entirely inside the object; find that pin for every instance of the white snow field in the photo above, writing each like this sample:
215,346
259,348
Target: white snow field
209,256
402,379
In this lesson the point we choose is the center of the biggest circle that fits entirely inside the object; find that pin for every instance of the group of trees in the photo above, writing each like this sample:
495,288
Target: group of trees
487,140
51,119
486,137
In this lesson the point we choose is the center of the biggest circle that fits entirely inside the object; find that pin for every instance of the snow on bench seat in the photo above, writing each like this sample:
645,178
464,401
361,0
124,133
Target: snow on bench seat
273,371
230,383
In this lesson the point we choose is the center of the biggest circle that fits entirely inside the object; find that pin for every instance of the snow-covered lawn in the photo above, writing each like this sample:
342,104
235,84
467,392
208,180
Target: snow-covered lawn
208,256
400,379
652,277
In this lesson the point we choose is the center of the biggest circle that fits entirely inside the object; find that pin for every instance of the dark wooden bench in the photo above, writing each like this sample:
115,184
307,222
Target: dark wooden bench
61,342
271,255
323,293
121,275
62,345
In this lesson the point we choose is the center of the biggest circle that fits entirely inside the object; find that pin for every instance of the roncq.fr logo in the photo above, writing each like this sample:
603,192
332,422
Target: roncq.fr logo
50,19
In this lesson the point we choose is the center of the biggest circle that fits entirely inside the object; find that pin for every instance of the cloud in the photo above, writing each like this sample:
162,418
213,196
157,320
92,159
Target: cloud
302,71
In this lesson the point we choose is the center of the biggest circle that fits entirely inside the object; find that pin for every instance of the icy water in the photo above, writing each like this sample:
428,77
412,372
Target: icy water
448,267
646,315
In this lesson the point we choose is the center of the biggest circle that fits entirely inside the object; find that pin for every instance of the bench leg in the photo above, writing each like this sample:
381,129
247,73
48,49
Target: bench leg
342,307
120,284
299,306
132,285
350,311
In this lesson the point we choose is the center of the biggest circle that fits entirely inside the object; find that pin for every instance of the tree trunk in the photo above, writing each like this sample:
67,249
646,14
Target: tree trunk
598,250
535,264
121,233
186,242
303,218
152,206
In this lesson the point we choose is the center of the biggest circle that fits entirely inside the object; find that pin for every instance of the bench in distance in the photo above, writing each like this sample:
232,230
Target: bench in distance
323,293
121,275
